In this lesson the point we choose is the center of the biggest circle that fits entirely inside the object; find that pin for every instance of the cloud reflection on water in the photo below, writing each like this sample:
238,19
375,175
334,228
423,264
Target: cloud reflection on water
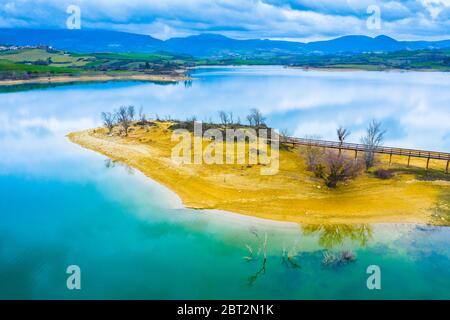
414,107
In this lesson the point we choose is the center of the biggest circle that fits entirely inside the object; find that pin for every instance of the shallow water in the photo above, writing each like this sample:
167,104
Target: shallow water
62,205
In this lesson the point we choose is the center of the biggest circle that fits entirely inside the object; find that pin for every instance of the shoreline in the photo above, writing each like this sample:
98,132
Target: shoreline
324,69
340,69
94,78
279,199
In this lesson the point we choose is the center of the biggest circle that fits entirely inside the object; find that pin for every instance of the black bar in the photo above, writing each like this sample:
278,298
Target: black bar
266,309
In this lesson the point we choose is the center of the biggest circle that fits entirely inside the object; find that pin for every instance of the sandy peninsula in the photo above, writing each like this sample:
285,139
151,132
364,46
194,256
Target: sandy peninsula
95,78
293,194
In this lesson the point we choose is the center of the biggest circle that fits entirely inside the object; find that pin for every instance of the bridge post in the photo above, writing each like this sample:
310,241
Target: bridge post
446,169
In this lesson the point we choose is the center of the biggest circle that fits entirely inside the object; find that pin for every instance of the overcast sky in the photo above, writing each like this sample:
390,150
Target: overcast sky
274,19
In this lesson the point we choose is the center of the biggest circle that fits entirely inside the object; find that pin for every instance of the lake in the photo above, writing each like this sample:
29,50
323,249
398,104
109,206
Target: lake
62,205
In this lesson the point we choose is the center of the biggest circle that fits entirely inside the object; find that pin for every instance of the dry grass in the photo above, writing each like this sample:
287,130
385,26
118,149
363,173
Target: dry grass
294,194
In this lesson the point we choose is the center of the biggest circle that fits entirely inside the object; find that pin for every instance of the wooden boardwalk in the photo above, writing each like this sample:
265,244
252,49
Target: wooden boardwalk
363,148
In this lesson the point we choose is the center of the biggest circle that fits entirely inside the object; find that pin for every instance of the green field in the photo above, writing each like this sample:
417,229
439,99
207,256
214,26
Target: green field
29,63
438,60
57,58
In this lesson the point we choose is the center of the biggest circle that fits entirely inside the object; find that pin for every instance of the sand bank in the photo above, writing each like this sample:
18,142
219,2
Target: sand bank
94,78
292,195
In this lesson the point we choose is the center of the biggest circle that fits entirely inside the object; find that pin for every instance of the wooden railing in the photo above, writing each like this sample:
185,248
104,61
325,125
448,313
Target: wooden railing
364,148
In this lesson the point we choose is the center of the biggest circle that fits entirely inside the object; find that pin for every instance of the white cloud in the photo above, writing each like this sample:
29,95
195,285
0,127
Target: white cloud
293,19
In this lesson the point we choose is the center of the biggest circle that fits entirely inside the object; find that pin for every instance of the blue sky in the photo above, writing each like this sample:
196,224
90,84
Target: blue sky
273,19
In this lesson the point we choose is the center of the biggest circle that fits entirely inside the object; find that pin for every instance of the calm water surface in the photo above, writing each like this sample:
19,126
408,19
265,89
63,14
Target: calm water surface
62,205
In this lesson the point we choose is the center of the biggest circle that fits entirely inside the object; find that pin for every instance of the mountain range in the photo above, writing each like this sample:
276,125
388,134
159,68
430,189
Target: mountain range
203,45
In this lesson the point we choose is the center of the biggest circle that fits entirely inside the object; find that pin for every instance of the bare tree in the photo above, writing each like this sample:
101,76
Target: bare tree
255,118
131,112
342,134
109,121
224,117
191,119
284,134
123,117
250,120
230,117
142,116
373,139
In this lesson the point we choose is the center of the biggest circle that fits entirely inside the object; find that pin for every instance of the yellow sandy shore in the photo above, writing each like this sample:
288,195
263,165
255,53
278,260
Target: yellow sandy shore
293,194
93,78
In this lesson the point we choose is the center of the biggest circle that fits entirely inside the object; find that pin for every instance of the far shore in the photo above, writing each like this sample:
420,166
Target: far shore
341,69
323,69
95,78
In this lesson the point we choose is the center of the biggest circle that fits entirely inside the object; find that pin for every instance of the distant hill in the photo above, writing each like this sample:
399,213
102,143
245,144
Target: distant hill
203,45
210,45
360,44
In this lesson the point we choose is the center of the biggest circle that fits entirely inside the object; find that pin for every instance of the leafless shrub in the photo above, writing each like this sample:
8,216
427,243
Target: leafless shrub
338,168
313,156
383,174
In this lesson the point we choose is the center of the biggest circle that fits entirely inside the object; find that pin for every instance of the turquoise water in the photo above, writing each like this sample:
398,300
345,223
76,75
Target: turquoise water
61,205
